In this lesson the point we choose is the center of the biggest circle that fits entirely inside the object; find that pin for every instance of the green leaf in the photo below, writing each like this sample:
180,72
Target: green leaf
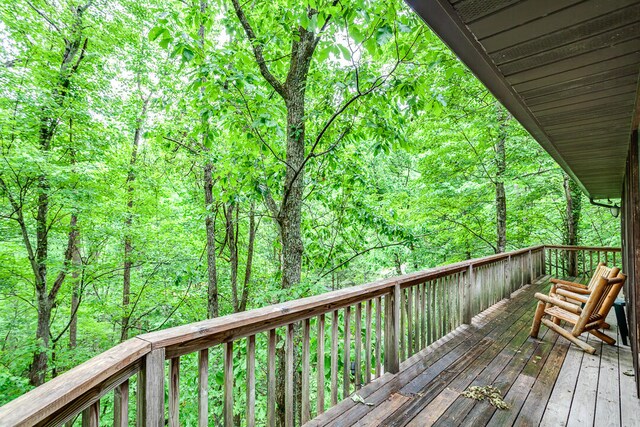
156,32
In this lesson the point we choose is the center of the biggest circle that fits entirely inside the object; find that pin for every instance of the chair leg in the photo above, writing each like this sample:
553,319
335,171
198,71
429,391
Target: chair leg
535,327
605,325
561,331
604,337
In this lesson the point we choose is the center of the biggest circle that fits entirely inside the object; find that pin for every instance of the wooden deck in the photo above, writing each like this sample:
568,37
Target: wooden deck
546,381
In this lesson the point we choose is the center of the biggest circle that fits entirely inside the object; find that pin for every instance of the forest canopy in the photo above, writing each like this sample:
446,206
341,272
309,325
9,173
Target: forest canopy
164,162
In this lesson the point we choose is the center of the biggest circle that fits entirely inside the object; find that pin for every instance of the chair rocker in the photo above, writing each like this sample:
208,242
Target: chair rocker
589,318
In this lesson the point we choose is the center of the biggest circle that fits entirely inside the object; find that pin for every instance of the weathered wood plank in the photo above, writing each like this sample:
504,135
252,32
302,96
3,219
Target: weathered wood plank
306,371
251,381
153,404
288,377
346,363
121,405
583,406
174,392
228,385
51,397
358,346
607,411
320,369
367,342
91,415
203,388
271,378
334,358
378,336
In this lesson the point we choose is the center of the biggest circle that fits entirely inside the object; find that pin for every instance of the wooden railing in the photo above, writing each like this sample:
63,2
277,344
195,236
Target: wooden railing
579,260
329,346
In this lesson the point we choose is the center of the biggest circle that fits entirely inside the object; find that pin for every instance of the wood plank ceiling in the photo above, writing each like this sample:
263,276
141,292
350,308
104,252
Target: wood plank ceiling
566,69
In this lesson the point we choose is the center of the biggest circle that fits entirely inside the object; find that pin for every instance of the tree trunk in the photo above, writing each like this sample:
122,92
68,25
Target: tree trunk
249,264
72,56
128,245
210,226
573,197
231,215
75,298
501,198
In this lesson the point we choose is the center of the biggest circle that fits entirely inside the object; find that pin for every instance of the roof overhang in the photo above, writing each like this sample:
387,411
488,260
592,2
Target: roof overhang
567,70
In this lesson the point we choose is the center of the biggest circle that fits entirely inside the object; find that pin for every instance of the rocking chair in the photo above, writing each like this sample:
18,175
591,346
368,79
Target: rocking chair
589,318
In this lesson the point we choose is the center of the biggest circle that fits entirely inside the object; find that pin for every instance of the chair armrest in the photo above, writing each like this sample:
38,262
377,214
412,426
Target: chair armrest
572,295
559,303
568,283
575,290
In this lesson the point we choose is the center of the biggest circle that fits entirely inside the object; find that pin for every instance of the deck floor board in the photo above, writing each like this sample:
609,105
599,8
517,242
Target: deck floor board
545,381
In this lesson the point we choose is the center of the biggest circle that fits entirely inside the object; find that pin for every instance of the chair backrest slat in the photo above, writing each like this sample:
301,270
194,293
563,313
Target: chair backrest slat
600,300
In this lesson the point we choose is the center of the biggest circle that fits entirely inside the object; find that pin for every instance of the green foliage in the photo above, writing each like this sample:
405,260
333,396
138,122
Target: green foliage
401,180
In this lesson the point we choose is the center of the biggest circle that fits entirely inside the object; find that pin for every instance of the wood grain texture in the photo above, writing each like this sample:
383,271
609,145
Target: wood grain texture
174,392
203,388
251,381
271,378
320,369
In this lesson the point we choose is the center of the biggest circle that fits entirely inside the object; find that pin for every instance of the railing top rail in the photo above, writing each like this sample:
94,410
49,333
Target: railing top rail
585,248
45,400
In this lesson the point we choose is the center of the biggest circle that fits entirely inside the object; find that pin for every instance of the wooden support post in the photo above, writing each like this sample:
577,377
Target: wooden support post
306,372
378,336
392,331
251,381
271,379
174,392
367,343
228,385
320,372
91,415
203,388
121,405
466,296
530,268
346,365
334,358
151,390
288,378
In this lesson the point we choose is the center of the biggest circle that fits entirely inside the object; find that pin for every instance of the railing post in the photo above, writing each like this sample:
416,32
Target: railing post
507,278
151,390
530,268
392,331
466,297
544,260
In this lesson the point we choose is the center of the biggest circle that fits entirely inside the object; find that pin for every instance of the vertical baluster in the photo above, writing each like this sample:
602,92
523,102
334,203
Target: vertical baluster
584,272
306,372
614,258
598,253
416,318
432,311
203,388
271,379
346,373
590,262
121,405
251,381
606,257
320,373
556,252
174,392
423,316
403,325
367,342
378,336
288,378
563,257
409,308
150,406
334,359
228,384
91,415
358,345
392,330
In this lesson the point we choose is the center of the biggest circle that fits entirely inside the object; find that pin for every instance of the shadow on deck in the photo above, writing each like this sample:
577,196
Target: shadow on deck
545,381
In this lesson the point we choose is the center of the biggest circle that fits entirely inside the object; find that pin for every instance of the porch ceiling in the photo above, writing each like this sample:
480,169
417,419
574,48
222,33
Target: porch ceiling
566,69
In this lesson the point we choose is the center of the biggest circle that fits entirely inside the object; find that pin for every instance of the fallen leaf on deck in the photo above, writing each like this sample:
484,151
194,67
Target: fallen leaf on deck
358,399
628,373
489,392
